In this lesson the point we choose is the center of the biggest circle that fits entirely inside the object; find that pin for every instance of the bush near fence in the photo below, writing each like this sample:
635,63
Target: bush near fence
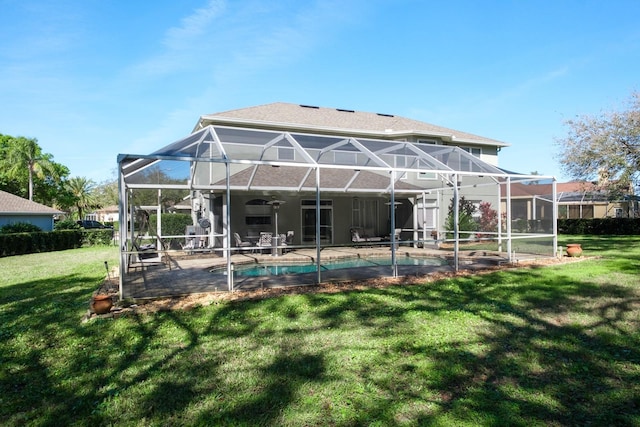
600,226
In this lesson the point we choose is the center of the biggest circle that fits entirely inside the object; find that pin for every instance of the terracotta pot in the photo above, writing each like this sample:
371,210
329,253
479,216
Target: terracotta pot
101,304
574,249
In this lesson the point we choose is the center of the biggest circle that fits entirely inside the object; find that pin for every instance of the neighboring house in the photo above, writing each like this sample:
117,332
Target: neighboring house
576,199
15,209
106,214
183,208
579,199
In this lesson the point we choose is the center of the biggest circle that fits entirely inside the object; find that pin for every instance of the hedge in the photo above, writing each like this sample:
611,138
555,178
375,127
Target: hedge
173,224
600,226
28,243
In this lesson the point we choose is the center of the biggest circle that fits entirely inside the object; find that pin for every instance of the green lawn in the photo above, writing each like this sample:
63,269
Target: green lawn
545,346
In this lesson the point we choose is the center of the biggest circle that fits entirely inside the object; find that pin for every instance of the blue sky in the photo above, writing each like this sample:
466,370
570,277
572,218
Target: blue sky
90,79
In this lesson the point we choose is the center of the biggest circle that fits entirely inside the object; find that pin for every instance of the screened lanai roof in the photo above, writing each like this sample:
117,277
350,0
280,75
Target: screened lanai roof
297,154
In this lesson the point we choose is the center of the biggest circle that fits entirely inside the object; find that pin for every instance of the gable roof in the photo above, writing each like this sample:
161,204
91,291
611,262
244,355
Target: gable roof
12,204
294,117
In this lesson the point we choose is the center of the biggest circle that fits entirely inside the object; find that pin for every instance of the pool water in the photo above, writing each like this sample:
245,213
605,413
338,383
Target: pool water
281,269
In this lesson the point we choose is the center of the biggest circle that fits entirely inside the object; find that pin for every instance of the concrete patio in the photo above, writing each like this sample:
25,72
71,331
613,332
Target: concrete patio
205,272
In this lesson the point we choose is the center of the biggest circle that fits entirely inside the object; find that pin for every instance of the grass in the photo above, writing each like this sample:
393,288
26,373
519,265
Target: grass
547,346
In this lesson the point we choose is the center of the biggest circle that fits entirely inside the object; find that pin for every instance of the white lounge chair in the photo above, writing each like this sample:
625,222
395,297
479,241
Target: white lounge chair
243,245
358,236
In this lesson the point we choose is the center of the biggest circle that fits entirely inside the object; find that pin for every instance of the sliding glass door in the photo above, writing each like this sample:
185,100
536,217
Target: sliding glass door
308,211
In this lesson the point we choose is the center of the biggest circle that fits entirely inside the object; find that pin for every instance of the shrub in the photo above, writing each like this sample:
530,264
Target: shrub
66,224
466,222
172,225
19,227
488,219
96,237
600,226
27,243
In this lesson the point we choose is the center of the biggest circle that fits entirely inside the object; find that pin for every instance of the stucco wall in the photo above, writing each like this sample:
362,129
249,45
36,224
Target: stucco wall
45,222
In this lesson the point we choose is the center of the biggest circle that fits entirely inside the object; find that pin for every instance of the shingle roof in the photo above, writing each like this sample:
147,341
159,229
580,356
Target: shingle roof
12,204
284,115
293,177
566,191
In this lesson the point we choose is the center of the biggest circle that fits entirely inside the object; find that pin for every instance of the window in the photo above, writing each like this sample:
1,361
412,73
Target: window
257,213
425,175
364,213
580,211
286,153
309,218
257,220
467,164
474,151
619,213
429,141
401,162
345,157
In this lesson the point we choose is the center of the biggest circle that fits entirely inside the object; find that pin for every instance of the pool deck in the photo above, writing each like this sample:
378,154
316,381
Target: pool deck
192,274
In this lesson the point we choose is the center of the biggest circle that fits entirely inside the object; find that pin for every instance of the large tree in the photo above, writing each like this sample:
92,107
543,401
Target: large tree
604,147
28,172
107,192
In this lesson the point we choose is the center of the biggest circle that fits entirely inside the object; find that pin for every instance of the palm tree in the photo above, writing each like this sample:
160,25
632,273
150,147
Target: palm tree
83,194
26,153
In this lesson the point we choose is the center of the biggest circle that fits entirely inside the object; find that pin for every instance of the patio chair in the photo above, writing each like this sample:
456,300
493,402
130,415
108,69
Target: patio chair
286,240
266,239
145,256
357,236
240,243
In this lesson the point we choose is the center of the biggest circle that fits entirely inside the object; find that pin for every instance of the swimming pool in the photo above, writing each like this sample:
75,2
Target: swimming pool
256,270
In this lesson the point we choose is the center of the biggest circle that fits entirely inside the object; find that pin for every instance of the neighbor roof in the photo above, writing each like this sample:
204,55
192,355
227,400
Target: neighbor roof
581,191
12,204
294,117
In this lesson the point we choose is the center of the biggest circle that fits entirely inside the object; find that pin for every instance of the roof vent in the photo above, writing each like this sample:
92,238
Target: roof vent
345,111
385,115
309,106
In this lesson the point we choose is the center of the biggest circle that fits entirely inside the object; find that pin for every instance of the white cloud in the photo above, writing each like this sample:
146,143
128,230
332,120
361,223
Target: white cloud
531,84
194,26
184,44
223,46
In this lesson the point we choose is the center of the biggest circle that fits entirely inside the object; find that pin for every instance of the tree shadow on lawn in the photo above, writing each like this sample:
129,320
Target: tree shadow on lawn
37,318
111,372
557,344
514,347
529,348
195,374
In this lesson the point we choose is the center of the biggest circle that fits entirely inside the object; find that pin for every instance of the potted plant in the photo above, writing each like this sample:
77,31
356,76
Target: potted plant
574,249
101,303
